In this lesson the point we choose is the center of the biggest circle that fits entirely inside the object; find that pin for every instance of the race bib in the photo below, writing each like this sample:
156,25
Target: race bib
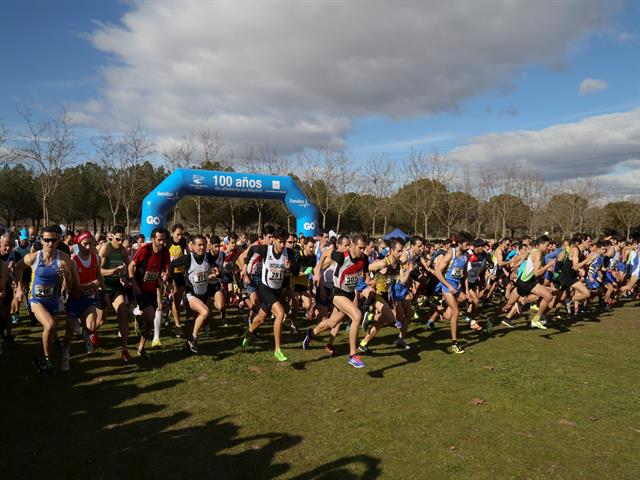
150,276
456,272
276,274
351,280
201,277
43,291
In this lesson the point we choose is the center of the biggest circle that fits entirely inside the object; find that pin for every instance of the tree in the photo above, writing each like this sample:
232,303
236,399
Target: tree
626,214
318,181
17,194
566,211
428,174
111,159
47,147
450,210
380,184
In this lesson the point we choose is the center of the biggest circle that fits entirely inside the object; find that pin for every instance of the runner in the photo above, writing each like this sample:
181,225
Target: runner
114,264
9,306
177,248
276,260
453,263
51,271
350,267
197,268
81,303
530,278
147,270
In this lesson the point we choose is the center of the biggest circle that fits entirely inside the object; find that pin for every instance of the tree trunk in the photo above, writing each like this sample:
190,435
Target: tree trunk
126,211
233,215
199,212
259,220
373,227
338,222
289,223
324,220
384,228
95,225
628,232
45,212
415,223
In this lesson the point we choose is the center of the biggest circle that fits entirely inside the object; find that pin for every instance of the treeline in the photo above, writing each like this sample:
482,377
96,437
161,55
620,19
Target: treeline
47,178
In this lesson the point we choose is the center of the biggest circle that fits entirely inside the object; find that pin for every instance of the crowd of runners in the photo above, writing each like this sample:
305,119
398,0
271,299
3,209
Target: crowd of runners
175,284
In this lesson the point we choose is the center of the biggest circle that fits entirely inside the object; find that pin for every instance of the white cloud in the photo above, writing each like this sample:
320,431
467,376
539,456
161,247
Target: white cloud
590,85
596,146
296,74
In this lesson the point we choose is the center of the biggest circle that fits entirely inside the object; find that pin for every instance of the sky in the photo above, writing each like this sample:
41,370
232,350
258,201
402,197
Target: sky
554,86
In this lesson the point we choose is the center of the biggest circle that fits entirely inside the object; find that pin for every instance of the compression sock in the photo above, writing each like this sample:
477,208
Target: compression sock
157,322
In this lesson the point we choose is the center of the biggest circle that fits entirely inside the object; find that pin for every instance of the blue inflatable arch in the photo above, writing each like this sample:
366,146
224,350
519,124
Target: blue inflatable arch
184,182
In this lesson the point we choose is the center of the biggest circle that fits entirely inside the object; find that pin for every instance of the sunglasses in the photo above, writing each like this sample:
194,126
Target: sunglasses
118,239
49,240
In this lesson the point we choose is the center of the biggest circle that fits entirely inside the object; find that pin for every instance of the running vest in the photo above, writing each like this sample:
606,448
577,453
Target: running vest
150,266
198,275
115,258
595,267
177,250
273,269
254,267
455,271
474,269
527,269
347,276
45,281
87,269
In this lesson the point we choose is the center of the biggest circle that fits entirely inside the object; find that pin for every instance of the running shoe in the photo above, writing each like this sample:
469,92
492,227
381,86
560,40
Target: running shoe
401,344
246,343
156,343
356,361
330,349
294,330
534,307
306,343
507,322
455,348
489,326
47,366
94,339
15,318
126,357
431,325
536,323
143,353
281,357
363,348
192,344
567,305
475,326
398,324
65,362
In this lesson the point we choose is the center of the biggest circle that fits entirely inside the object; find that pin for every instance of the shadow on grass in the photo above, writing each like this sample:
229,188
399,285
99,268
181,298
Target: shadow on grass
97,422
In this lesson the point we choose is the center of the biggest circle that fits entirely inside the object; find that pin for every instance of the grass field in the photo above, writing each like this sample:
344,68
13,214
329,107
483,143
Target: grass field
523,403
